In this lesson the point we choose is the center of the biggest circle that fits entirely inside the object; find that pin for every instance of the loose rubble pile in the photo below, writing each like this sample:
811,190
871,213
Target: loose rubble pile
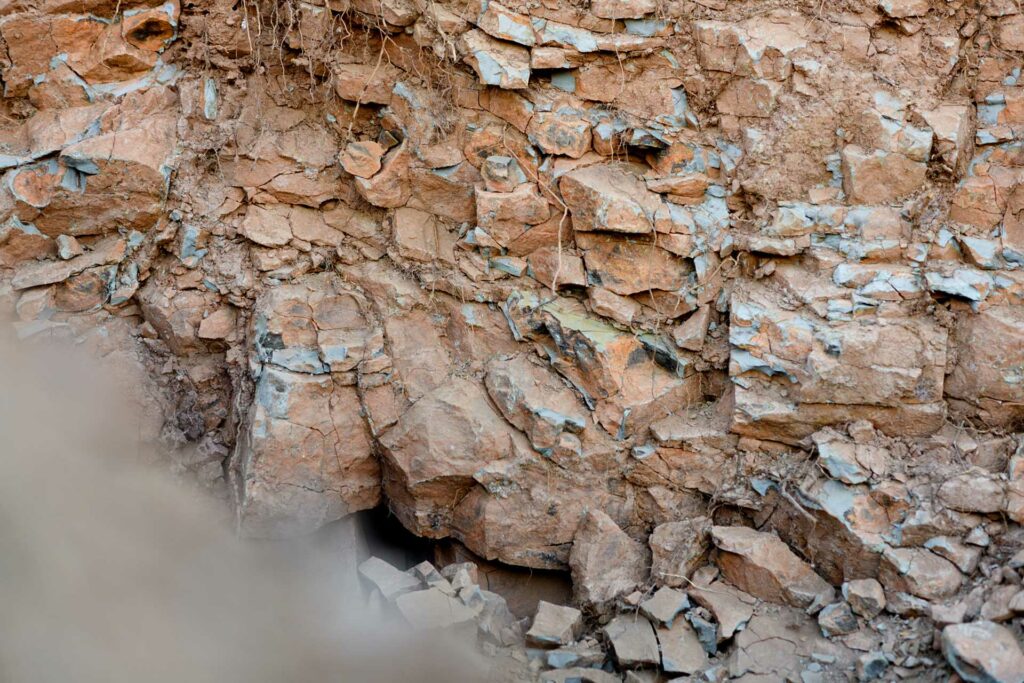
602,286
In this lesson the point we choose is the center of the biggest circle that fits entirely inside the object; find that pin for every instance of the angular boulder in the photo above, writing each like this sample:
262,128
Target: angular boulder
762,565
606,563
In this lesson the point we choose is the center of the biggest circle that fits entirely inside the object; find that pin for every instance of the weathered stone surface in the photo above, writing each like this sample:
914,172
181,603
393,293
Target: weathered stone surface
423,467
762,565
505,216
622,9
37,273
865,596
879,177
362,158
681,651
633,641
422,237
677,549
501,22
731,608
975,491
534,400
391,582
837,619
605,562
609,198
919,572
822,374
351,233
984,373
664,606
777,644
432,609
555,625
631,266
305,454
563,131
691,334
504,65
983,651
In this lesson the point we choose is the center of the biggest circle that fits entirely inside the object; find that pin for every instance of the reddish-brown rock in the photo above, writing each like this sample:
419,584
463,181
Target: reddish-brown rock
762,565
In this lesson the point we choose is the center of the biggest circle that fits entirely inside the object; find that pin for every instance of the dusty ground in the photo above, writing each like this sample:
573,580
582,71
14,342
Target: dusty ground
595,287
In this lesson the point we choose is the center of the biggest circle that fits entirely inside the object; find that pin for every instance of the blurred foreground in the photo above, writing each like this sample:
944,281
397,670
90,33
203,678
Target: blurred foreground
111,571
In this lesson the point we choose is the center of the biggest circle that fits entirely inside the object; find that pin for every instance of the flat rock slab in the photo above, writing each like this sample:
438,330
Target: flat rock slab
555,625
432,609
391,582
762,565
731,607
633,641
681,650
664,605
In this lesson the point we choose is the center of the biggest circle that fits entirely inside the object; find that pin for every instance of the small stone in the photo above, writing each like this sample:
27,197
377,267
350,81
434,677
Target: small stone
691,334
391,582
604,197
865,596
606,563
461,574
949,614
587,652
707,632
501,22
681,650
364,82
983,652
878,177
555,625
837,619
556,269
362,158
633,641
965,557
505,65
901,9
919,572
1017,602
563,132
974,491
664,605
731,607
218,325
861,431
494,619
432,578
502,174
68,247
622,9
871,665
997,608
621,309
979,537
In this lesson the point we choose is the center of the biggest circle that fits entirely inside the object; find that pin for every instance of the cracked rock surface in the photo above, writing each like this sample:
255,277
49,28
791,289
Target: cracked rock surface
721,297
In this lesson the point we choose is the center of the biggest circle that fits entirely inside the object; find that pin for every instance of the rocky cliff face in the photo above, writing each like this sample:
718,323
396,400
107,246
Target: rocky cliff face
504,266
